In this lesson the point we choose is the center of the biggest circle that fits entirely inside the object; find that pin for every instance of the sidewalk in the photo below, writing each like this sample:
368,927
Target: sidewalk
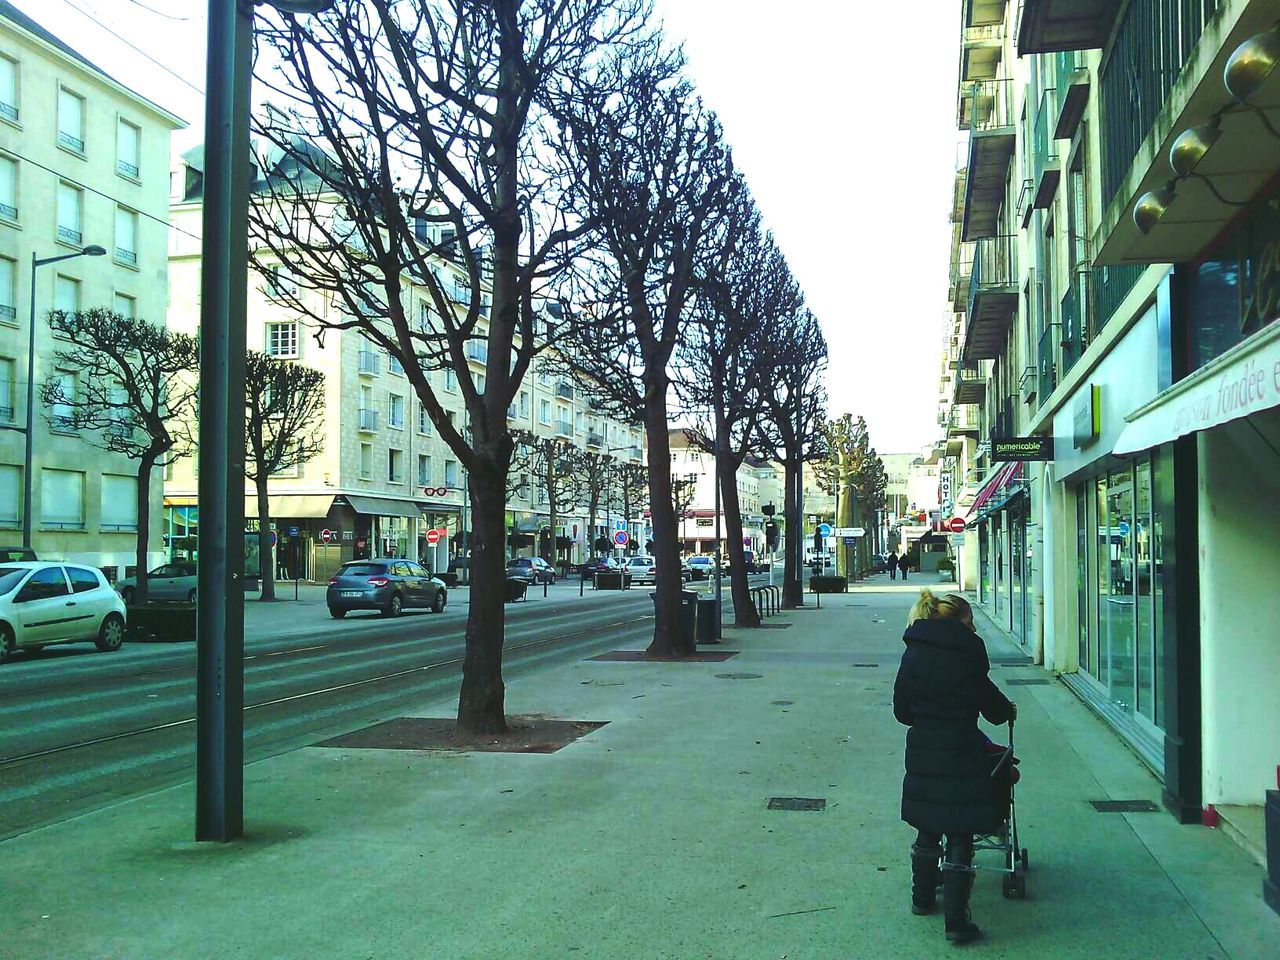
648,838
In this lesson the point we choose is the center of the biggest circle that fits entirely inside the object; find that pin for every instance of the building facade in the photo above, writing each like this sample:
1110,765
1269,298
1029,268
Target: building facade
84,162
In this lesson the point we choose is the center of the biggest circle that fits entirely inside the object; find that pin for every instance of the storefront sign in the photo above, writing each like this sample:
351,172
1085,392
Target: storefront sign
1086,417
1006,449
704,522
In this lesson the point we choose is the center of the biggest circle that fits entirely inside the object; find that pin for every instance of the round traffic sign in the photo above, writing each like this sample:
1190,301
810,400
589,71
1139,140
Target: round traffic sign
326,536
824,529
433,537
621,538
956,525
274,538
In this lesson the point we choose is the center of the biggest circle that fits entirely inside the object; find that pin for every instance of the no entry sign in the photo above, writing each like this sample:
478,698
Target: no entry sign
326,536
433,537
956,525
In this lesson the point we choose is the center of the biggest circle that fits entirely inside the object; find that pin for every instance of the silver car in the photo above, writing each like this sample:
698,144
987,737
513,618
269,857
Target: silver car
170,581
43,603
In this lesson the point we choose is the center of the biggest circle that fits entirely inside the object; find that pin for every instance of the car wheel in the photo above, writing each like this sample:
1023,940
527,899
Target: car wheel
394,606
437,605
127,596
337,613
111,635
7,643
191,596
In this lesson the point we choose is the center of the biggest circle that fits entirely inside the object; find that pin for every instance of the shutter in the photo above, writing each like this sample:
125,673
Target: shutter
6,283
70,116
69,207
126,231
8,82
62,497
10,484
119,501
127,145
8,182
66,294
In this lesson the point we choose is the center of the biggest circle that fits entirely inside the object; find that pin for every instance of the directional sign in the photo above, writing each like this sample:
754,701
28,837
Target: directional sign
956,524
622,538
433,537
327,536
849,532
824,529
293,531
850,541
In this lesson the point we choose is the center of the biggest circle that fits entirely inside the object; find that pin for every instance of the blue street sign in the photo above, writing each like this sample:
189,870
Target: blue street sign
293,531
824,529
850,541
621,538
1123,527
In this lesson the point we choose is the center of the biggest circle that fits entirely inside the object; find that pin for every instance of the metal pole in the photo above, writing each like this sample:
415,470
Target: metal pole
220,613
715,480
799,597
29,449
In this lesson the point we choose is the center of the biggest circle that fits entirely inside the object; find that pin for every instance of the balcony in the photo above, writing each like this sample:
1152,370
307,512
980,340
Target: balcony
1029,384
982,45
1071,79
1046,171
993,298
478,350
1048,26
595,440
564,428
971,386
957,195
963,421
8,211
1076,304
1052,348
368,420
961,271
986,107
564,390
369,363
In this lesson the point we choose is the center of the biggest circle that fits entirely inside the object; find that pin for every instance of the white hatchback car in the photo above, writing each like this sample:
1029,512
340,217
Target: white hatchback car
42,603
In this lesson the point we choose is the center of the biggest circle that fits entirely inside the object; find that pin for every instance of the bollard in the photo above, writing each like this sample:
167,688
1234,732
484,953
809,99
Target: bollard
544,589
582,586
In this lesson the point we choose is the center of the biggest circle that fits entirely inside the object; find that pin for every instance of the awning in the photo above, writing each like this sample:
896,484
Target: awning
384,506
1242,381
292,506
993,483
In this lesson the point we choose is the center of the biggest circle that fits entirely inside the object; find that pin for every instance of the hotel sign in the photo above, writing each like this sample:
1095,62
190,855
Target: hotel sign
1006,449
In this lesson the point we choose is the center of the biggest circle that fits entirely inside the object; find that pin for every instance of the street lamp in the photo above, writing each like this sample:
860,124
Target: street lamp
90,251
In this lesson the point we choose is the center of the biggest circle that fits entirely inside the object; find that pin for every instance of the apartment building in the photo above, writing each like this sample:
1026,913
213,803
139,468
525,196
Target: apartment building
757,483
385,483
84,163
1116,251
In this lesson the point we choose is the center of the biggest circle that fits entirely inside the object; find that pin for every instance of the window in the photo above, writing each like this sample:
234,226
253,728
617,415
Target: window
62,414
395,411
70,205
61,499
366,461
424,421
10,494
544,412
66,294
524,403
395,466
70,120
82,579
125,305
119,503
451,474
480,382
8,89
424,470
292,468
450,381
282,339
394,364
281,282
8,389
45,584
8,188
8,276
126,237
128,141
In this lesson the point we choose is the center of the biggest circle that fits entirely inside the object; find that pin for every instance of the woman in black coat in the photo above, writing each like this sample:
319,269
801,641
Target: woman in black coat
941,688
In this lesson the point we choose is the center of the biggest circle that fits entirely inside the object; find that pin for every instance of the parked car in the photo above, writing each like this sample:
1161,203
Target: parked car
702,568
644,569
43,603
879,563
170,581
389,585
533,569
599,565
17,554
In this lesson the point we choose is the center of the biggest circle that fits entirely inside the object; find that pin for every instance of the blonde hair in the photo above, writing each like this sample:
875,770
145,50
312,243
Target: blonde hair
930,607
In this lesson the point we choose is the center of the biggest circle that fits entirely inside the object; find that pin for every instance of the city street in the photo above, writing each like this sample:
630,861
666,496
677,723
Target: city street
83,729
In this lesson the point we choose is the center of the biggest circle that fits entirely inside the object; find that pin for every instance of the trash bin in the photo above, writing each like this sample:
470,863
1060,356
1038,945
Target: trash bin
688,613
707,620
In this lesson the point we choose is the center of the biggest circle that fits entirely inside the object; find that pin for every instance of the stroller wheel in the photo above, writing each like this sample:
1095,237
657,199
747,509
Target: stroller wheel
1023,858
1015,886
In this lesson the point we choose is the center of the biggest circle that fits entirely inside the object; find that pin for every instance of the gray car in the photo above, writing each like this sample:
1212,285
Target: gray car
174,581
389,586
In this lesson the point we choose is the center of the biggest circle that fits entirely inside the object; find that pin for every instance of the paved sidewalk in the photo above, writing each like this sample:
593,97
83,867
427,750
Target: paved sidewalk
649,838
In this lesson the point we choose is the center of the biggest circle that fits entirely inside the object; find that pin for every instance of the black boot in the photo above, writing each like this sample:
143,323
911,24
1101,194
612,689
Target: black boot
956,887
925,877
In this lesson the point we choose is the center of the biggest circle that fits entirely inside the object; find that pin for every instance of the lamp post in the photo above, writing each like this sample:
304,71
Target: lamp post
29,452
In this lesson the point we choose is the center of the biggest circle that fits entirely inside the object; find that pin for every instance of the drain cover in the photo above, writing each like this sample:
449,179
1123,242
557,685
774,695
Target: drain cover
782,703
866,664
797,803
1124,806
1029,681
739,676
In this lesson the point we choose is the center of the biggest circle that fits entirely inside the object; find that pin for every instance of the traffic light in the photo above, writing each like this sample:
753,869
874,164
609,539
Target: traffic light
771,535
767,510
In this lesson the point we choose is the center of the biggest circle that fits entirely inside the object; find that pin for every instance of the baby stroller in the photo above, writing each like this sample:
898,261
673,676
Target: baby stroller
1003,777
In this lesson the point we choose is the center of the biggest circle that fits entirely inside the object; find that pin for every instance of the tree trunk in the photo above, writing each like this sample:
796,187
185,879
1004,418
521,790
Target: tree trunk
593,507
668,639
745,613
140,558
552,494
792,584
481,700
266,563
626,516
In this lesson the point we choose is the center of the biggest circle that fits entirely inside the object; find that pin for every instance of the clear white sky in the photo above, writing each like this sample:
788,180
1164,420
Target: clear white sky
842,115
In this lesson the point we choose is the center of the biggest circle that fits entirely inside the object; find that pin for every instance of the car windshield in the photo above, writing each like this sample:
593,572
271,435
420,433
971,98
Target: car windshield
520,562
362,569
10,577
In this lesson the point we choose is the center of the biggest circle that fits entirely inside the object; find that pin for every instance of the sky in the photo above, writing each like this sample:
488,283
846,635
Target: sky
842,116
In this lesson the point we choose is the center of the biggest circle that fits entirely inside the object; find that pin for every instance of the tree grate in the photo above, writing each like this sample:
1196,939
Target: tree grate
798,803
1028,682
739,676
865,665
1124,806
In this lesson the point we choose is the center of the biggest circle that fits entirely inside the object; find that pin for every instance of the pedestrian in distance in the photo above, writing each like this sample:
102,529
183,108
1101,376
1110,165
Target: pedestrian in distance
943,684
892,564
902,565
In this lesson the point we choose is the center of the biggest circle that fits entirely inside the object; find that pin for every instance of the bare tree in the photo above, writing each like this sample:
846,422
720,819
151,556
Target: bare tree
554,466
284,429
408,182
650,168
134,393
797,409
596,471
633,486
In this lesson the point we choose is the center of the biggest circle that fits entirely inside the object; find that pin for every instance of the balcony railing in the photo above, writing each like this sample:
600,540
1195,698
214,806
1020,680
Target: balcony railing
595,440
1109,288
70,141
478,350
1045,151
126,256
995,265
69,235
564,428
564,390
7,312
6,414
369,362
987,105
127,168
8,211
984,33
368,420
1049,358
9,112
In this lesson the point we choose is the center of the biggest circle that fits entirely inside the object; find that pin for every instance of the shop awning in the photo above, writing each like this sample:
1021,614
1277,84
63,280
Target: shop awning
994,482
1242,381
292,506
384,506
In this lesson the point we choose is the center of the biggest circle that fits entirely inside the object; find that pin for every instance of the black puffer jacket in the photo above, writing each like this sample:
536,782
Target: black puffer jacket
942,686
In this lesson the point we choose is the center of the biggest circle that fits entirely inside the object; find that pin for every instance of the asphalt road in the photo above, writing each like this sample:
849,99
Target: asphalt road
80,730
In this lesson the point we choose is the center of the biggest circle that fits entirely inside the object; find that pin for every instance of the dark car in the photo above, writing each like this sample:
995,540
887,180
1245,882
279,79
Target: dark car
599,565
17,555
534,569
879,563
389,586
